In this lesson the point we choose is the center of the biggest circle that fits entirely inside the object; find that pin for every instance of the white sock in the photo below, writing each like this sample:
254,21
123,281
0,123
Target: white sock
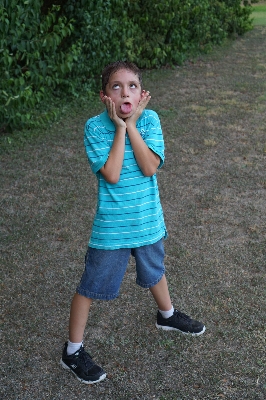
73,347
167,314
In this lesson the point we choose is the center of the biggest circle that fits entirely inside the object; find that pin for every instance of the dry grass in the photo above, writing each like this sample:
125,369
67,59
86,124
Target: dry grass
213,190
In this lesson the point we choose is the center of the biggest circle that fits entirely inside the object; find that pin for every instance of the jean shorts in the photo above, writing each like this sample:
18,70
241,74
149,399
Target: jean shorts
105,269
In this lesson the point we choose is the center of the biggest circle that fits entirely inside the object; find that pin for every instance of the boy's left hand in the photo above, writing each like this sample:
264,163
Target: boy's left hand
145,98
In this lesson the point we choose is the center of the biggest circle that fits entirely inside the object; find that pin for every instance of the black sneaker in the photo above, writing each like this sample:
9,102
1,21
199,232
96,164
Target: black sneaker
82,366
180,322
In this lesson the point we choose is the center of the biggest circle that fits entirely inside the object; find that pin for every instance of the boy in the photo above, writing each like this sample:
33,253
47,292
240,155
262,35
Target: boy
125,147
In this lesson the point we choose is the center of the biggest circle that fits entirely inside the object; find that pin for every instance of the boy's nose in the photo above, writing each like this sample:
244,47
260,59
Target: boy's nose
124,92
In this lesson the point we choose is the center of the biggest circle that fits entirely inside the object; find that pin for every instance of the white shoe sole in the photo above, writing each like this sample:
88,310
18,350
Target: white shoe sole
102,377
169,328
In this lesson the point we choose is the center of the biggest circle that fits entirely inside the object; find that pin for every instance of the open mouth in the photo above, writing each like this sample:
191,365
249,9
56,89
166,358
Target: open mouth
126,108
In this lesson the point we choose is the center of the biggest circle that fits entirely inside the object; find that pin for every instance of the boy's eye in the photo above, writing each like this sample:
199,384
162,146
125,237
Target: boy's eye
117,86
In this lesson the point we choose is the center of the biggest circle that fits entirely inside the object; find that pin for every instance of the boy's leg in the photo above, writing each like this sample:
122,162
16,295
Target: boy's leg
150,268
102,276
79,313
177,321
80,362
161,295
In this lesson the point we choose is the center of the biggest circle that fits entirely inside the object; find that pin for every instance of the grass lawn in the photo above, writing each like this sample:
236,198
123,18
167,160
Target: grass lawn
213,192
259,14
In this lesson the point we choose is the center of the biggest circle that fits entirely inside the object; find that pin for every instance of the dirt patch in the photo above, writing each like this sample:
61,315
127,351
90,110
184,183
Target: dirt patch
213,191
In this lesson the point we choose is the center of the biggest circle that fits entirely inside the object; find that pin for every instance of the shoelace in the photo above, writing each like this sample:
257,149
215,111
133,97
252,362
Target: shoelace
181,315
85,359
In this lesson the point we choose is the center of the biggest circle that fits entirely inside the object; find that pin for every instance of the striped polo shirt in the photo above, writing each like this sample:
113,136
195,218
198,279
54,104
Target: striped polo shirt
129,213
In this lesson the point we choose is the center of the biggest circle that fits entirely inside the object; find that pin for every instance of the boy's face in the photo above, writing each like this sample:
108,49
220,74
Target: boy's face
125,91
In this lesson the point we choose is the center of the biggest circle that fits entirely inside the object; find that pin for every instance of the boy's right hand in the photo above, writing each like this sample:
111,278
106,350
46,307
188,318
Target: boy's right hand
110,106
112,168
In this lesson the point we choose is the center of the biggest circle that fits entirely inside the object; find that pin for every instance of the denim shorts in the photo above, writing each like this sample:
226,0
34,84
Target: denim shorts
105,269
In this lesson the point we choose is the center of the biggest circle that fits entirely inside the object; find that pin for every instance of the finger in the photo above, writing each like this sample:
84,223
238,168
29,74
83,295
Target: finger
108,103
145,93
144,102
105,100
112,110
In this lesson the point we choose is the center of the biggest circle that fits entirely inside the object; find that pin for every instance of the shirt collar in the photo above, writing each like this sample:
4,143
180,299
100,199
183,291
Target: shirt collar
107,122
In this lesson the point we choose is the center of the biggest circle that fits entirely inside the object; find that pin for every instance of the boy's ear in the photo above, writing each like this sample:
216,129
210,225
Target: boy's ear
102,95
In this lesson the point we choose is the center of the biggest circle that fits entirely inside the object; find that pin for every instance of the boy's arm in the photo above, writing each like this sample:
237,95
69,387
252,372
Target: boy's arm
147,160
112,168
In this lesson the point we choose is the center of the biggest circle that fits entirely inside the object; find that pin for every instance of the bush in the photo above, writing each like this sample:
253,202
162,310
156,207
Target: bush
33,64
52,51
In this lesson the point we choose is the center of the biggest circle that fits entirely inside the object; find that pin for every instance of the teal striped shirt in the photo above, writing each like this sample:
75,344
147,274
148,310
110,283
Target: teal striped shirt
129,213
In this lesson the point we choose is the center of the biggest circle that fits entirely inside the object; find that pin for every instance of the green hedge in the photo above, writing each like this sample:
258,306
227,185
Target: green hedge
54,49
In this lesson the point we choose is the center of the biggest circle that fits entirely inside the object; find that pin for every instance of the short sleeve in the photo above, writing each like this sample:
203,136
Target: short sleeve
149,126
97,143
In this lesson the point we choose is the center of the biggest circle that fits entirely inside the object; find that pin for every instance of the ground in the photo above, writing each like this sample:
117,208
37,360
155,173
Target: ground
213,191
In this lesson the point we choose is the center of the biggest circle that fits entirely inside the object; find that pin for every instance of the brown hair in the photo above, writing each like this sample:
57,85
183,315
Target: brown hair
116,66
